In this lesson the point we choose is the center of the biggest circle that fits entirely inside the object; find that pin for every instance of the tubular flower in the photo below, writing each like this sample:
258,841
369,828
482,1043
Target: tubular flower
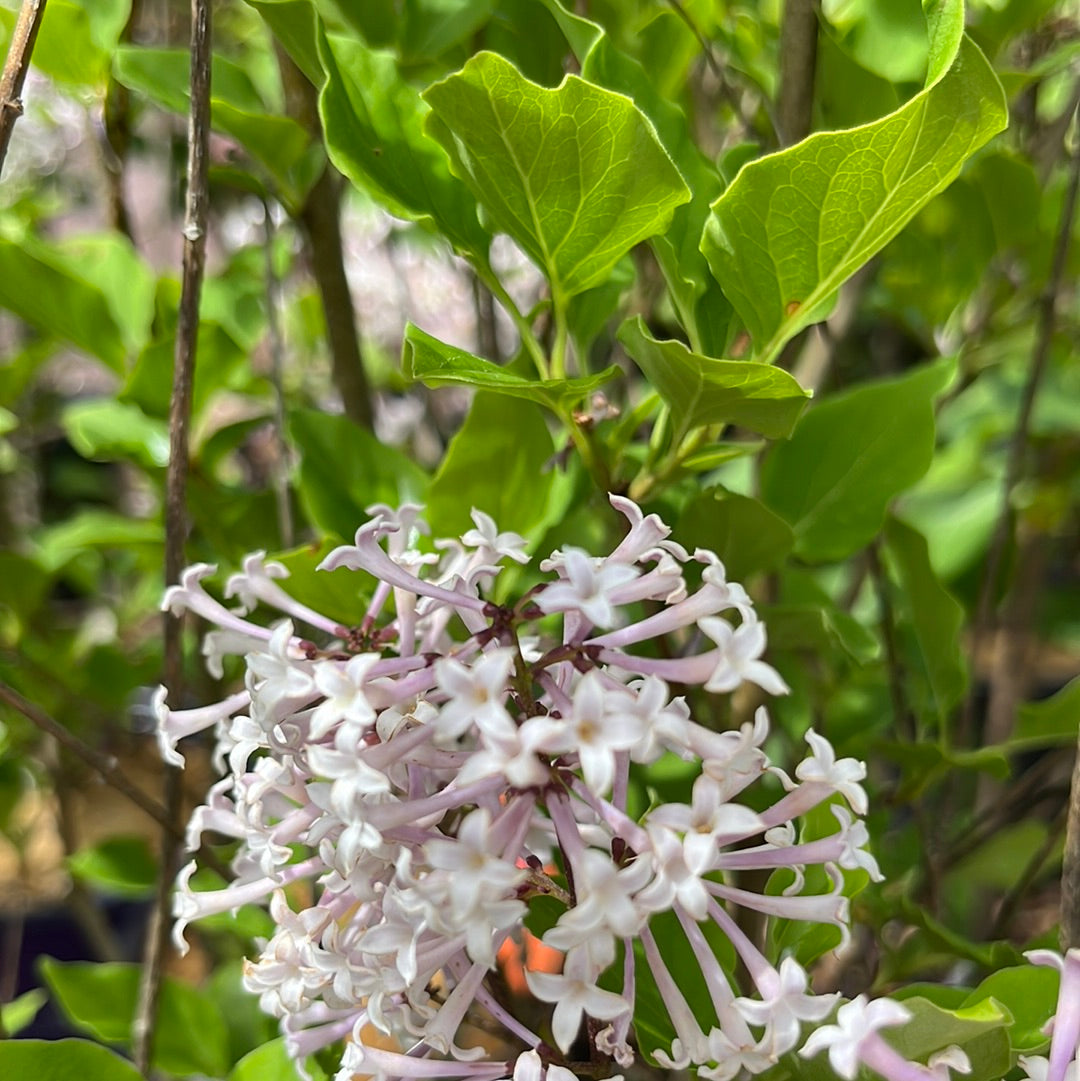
436,772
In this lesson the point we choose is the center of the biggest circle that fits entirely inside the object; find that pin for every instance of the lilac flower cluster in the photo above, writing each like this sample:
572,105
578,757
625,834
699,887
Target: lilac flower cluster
433,771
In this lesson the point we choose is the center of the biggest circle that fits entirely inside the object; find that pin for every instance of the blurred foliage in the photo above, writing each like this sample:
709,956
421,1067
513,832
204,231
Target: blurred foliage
896,263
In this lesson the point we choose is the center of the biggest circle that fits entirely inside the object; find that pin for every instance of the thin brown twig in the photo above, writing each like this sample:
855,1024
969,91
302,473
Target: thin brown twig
104,764
15,69
176,517
106,768
1046,324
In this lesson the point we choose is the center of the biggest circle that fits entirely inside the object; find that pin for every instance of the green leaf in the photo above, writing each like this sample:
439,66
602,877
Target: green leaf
700,390
272,1062
436,364
887,37
833,480
1030,994
37,286
336,594
373,122
220,361
20,1012
75,40
746,535
433,26
101,999
936,618
796,224
575,175
63,1060
92,528
249,1028
500,463
295,25
106,430
123,866
1054,721
979,1030
109,262
344,469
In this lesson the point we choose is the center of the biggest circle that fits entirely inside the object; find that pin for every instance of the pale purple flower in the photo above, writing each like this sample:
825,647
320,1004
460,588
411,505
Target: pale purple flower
575,995
857,1023
740,652
419,772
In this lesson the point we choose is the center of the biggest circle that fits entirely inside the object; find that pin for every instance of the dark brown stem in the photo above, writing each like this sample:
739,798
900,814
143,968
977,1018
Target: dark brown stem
176,517
320,218
15,69
798,60
1046,322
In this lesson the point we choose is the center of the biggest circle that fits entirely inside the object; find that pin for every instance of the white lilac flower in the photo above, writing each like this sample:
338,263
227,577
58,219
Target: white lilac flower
435,772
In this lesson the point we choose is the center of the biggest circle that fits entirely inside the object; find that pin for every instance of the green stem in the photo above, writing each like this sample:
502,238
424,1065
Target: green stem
558,349
524,328
649,479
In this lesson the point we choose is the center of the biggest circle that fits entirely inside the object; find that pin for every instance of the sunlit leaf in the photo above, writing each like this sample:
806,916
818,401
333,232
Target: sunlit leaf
437,364
575,175
796,224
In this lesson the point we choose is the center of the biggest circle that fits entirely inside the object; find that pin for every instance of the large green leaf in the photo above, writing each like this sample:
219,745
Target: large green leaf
373,121
75,41
833,480
37,286
1029,993
101,999
123,866
272,1062
63,1060
936,618
436,364
979,1030
796,224
500,463
344,469
430,27
700,390
575,175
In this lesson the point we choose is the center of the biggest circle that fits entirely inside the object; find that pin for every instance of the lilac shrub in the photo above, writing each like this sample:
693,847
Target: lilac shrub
433,772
